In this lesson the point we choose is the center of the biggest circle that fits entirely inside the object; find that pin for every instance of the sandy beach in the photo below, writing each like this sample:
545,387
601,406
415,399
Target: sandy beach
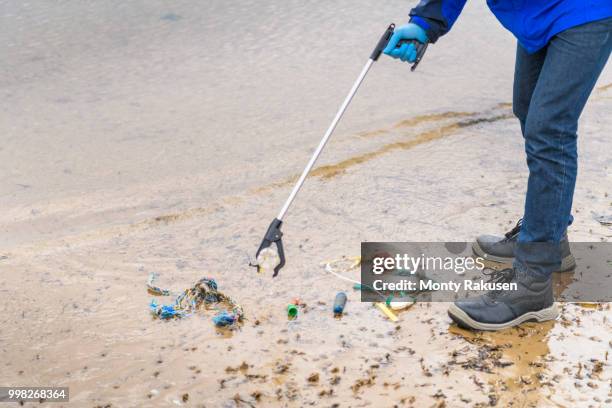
153,137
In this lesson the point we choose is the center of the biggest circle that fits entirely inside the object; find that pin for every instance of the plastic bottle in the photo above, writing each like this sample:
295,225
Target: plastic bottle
339,303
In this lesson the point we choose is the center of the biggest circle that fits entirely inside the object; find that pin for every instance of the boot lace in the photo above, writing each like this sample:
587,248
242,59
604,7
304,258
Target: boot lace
512,233
499,276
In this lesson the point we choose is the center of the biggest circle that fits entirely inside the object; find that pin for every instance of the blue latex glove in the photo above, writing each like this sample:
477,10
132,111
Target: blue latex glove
406,52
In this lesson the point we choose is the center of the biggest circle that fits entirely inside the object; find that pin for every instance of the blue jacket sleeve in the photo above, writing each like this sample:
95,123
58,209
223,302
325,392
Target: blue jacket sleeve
436,17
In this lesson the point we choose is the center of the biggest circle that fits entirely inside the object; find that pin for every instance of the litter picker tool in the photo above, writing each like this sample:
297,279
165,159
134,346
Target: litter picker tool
269,258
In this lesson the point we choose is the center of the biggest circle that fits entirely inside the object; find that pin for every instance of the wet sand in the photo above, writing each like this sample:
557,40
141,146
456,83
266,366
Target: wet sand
76,311
78,244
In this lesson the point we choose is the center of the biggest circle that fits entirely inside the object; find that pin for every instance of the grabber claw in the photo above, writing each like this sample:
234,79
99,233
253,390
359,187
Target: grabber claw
273,235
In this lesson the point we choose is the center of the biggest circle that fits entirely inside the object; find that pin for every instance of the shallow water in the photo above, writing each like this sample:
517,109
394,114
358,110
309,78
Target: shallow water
139,137
105,100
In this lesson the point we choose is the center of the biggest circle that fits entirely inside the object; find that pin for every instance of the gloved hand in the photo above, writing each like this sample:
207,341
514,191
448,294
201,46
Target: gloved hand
406,52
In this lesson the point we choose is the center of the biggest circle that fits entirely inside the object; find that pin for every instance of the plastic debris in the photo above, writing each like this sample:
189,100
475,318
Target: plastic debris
292,310
165,311
400,305
203,294
154,290
354,262
364,287
383,308
223,319
346,264
339,303
268,259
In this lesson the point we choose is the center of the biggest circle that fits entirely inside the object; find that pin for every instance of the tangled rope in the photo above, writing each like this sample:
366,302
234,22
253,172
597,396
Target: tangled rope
204,293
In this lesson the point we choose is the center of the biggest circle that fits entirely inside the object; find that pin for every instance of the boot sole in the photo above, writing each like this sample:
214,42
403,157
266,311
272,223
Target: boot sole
567,264
463,320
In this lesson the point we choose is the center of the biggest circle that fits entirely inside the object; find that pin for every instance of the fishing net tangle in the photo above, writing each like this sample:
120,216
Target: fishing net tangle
203,294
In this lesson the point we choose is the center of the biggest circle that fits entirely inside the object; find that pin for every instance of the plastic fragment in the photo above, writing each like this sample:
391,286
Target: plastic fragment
224,319
400,305
267,259
154,290
383,308
361,286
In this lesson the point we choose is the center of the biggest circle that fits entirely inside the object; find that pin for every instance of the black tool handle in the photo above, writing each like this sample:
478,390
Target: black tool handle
420,49
382,43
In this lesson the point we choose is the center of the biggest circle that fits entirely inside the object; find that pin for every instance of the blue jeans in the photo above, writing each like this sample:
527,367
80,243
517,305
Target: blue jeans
551,88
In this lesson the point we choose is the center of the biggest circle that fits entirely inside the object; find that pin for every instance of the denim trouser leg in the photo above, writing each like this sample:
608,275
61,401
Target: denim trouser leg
550,91
526,73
